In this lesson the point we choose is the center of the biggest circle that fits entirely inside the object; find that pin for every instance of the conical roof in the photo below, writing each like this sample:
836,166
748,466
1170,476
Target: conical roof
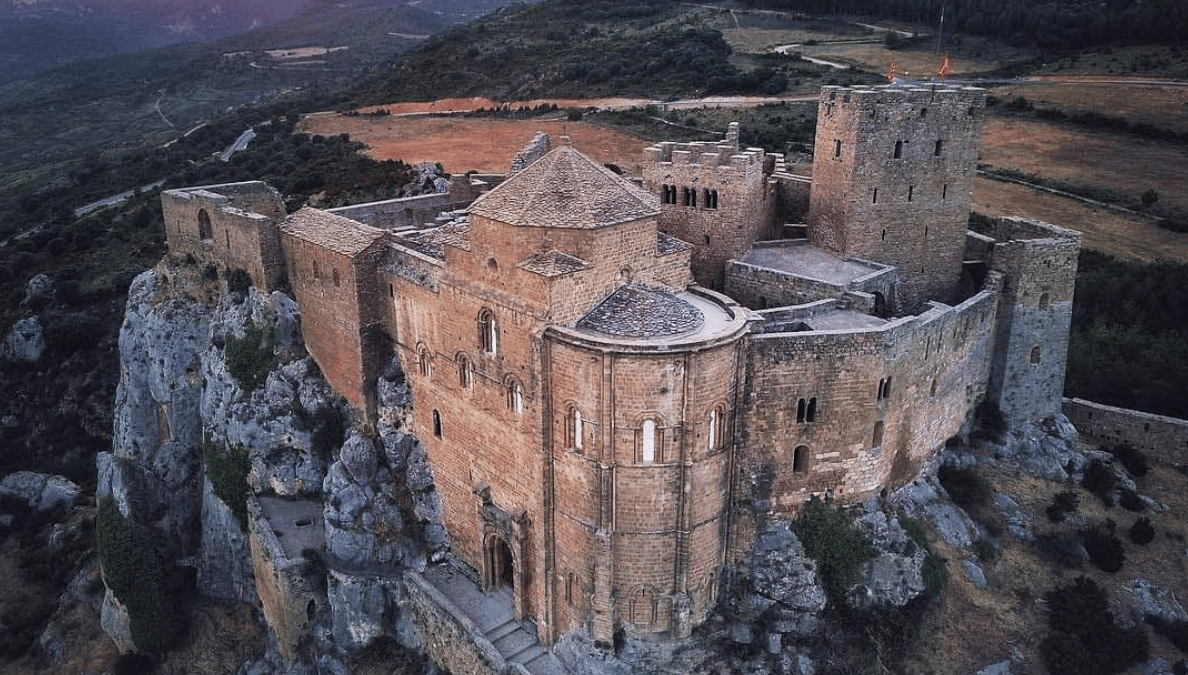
566,189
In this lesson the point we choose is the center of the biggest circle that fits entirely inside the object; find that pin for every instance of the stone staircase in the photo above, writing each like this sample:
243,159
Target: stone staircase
492,613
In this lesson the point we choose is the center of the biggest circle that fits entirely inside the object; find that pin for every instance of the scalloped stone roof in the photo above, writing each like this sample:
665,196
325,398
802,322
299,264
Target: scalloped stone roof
638,311
566,189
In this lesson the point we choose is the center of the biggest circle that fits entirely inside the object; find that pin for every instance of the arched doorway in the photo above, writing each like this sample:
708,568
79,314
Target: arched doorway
501,569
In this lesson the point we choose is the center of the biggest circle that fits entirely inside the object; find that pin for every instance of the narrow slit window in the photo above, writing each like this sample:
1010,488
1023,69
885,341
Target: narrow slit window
836,149
437,427
898,150
939,149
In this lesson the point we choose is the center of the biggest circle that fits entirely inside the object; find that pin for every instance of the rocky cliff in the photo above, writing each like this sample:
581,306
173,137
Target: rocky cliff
224,428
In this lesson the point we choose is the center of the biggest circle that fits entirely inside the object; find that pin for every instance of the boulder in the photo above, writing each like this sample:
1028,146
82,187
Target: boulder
39,491
1157,601
25,343
38,291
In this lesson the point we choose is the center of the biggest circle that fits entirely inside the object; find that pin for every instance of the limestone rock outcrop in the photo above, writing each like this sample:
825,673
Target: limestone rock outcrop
25,343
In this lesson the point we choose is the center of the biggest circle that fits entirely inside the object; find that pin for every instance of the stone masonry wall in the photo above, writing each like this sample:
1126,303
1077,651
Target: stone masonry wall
452,640
722,226
936,367
1039,262
230,226
762,287
892,180
1156,435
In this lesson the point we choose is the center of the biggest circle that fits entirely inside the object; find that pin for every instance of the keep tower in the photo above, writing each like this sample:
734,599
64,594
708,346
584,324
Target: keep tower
892,176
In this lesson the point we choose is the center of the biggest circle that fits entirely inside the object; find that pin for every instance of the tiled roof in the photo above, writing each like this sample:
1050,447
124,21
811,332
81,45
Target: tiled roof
638,311
666,243
553,263
335,233
566,189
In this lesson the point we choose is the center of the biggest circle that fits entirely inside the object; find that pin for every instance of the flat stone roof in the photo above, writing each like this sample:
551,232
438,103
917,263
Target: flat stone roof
810,262
298,524
843,319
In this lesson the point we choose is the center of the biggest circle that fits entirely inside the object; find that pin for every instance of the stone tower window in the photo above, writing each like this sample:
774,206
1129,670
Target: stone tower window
898,150
800,459
424,362
911,191
1044,301
875,197
884,389
647,441
945,191
205,232
806,410
488,331
515,396
668,194
334,275
1036,356
643,607
437,431
877,440
938,149
317,271
465,372
836,149
932,390
710,198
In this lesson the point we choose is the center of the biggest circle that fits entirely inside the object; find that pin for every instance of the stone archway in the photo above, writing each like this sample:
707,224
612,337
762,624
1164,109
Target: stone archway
499,564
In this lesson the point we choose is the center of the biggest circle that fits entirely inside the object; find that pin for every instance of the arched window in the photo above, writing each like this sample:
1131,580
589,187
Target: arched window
710,198
488,330
877,439
643,607
898,149
647,441
800,459
515,396
573,428
465,372
716,428
939,149
1036,355
884,388
425,362
205,232
437,429
1044,301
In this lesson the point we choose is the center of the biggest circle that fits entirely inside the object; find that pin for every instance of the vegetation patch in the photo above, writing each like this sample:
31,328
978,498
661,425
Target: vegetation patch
1063,503
1082,636
250,358
829,537
142,574
1103,546
228,472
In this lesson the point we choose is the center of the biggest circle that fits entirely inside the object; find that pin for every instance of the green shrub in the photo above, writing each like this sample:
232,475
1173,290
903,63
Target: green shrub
1062,549
238,281
1133,459
1104,548
227,472
250,358
1063,503
936,569
1100,480
1142,533
142,575
1083,638
1176,632
830,538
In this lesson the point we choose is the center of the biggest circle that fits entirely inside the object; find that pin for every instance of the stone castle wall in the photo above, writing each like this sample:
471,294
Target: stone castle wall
713,196
233,225
886,400
892,180
1157,435
761,287
1039,262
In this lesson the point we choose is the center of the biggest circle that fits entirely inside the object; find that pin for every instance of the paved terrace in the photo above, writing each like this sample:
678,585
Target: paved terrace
810,262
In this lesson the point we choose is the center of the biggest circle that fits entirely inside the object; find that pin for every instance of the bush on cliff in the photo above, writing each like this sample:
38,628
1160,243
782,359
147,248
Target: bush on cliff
829,537
142,575
1083,638
227,472
250,358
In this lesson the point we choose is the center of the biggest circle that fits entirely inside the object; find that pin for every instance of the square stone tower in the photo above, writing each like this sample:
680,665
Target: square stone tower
892,176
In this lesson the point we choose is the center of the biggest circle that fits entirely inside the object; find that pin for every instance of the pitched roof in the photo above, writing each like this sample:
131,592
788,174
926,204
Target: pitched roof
335,233
566,189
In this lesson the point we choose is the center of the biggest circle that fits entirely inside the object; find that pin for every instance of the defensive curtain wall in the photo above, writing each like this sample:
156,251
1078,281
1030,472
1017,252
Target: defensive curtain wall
1156,435
843,403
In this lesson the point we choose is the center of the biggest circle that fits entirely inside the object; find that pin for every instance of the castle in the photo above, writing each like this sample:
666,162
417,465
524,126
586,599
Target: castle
617,382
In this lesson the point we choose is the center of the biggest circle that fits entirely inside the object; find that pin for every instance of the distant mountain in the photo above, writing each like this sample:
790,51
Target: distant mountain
38,35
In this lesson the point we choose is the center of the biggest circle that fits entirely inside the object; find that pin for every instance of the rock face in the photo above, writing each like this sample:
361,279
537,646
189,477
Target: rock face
40,491
894,577
180,407
778,593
